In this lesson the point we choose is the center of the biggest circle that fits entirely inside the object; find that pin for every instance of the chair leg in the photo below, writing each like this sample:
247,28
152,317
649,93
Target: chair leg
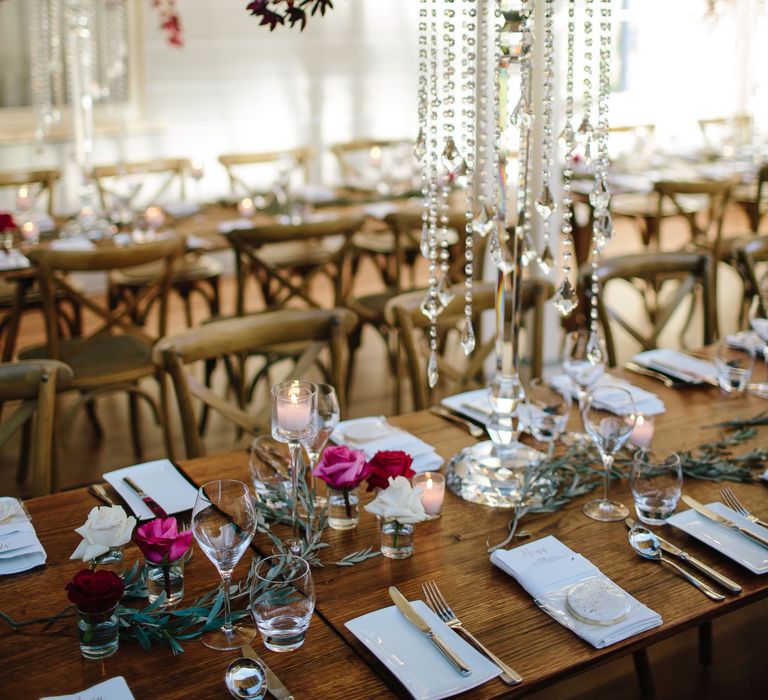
133,411
644,673
705,644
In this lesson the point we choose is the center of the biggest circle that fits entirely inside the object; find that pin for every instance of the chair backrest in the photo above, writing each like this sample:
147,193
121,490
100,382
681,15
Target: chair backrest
761,197
709,231
39,184
310,242
404,313
720,131
125,315
274,164
312,330
384,165
648,272
130,182
748,256
34,384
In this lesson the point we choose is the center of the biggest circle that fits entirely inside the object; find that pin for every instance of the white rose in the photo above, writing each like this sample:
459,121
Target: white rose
107,526
399,501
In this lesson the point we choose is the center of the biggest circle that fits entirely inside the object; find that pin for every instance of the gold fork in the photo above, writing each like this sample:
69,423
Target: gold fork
729,498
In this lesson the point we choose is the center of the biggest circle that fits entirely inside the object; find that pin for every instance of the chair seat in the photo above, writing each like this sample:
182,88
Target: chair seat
190,268
101,360
303,254
647,205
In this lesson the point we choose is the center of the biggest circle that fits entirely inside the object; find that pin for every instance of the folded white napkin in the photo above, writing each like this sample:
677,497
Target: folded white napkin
197,243
235,225
379,210
20,549
677,364
547,570
180,209
646,402
13,260
315,193
745,340
113,689
374,433
77,243
474,404
44,221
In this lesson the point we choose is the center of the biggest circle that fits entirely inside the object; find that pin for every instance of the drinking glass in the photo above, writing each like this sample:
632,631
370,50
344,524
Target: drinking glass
546,413
282,601
223,523
609,432
268,461
656,481
734,368
328,414
294,420
759,324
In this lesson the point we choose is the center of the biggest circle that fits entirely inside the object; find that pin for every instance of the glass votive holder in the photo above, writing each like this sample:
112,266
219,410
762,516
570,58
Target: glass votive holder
734,369
432,486
656,481
642,433
343,508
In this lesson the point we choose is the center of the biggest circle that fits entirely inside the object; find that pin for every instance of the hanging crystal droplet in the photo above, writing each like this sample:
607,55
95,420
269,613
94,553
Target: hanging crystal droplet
424,244
468,337
420,147
484,221
521,115
566,138
565,299
428,306
432,373
445,294
583,141
585,128
453,160
604,226
545,204
600,197
497,250
546,260
529,253
596,353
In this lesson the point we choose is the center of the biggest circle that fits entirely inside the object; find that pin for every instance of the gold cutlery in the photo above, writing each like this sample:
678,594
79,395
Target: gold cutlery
709,513
644,371
274,684
474,430
99,492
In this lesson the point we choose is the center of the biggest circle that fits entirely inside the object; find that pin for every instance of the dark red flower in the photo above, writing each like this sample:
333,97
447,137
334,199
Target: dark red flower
6,222
95,591
386,463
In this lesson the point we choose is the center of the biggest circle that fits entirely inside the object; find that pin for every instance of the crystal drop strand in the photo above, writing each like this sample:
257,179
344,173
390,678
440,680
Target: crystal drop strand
57,55
434,185
420,149
545,204
483,222
585,130
40,62
566,299
524,224
469,75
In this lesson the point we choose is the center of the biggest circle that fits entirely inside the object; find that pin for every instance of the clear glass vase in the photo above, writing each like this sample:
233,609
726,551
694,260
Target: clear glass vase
113,560
165,579
98,633
343,508
397,539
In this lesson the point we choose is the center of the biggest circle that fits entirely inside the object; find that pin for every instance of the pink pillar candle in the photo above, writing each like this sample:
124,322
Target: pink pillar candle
432,486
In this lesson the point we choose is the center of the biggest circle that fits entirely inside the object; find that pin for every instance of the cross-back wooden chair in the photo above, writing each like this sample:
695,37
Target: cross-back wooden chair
751,254
753,198
649,273
385,166
285,259
404,313
40,184
34,385
162,173
113,354
719,131
273,162
314,330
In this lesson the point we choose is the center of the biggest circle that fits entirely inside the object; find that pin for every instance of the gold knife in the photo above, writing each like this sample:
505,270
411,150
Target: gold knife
709,513
274,684
669,548
420,623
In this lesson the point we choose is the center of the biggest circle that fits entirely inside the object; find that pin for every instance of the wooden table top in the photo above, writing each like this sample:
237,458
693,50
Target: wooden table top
451,550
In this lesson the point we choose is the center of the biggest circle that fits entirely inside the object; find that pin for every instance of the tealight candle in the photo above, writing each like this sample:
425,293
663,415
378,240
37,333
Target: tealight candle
246,208
294,411
433,491
642,433
30,231
23,198
196,169
155,217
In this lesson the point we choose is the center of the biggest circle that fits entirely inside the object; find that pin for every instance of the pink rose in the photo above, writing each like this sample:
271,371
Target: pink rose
342,468
161,542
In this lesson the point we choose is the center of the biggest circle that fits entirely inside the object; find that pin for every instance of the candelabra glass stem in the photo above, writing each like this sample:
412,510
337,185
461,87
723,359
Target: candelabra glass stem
295,451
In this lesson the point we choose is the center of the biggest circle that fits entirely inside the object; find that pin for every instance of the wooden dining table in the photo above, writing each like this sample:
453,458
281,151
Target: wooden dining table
452,550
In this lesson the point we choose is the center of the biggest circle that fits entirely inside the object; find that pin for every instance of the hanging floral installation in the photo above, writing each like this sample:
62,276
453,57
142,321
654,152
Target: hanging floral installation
274,13
170,21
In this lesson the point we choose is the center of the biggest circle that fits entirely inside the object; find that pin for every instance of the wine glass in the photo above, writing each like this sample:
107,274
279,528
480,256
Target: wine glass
609,432
584,359
223,523
328,414
294,420
546,412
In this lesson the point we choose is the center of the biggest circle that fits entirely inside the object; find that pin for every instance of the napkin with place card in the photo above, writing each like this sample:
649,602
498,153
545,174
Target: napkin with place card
573,591
13,260
646,402
745,340
113,689
678,365
374,433
20,549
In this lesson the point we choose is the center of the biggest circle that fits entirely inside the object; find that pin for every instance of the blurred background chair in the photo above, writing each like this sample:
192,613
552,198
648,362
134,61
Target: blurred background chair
750,258
113,353
722,135
29,190
142,183
32,387
386,167
267,176
322,333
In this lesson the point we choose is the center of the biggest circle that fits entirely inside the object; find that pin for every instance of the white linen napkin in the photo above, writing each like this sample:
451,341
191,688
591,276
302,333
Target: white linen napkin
646,402
234,225
745,340
179,210
113,689
76,243
13,260
547,569
474,404
20,549
374,433
677,364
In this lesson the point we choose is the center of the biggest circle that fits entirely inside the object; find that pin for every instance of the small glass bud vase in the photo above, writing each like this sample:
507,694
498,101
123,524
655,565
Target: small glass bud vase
165,579
396,539
343,511
113,560
98,633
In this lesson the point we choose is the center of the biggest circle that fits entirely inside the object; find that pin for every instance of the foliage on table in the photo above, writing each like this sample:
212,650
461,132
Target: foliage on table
577,471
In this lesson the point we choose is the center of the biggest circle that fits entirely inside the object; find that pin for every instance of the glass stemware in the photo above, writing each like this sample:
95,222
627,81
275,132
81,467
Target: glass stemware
223,523
759,324
546,412
328,414
584,359
294,420
609,432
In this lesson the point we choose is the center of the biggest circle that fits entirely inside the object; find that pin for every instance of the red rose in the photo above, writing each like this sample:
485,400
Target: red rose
6,222
386,463
161,542
95,591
